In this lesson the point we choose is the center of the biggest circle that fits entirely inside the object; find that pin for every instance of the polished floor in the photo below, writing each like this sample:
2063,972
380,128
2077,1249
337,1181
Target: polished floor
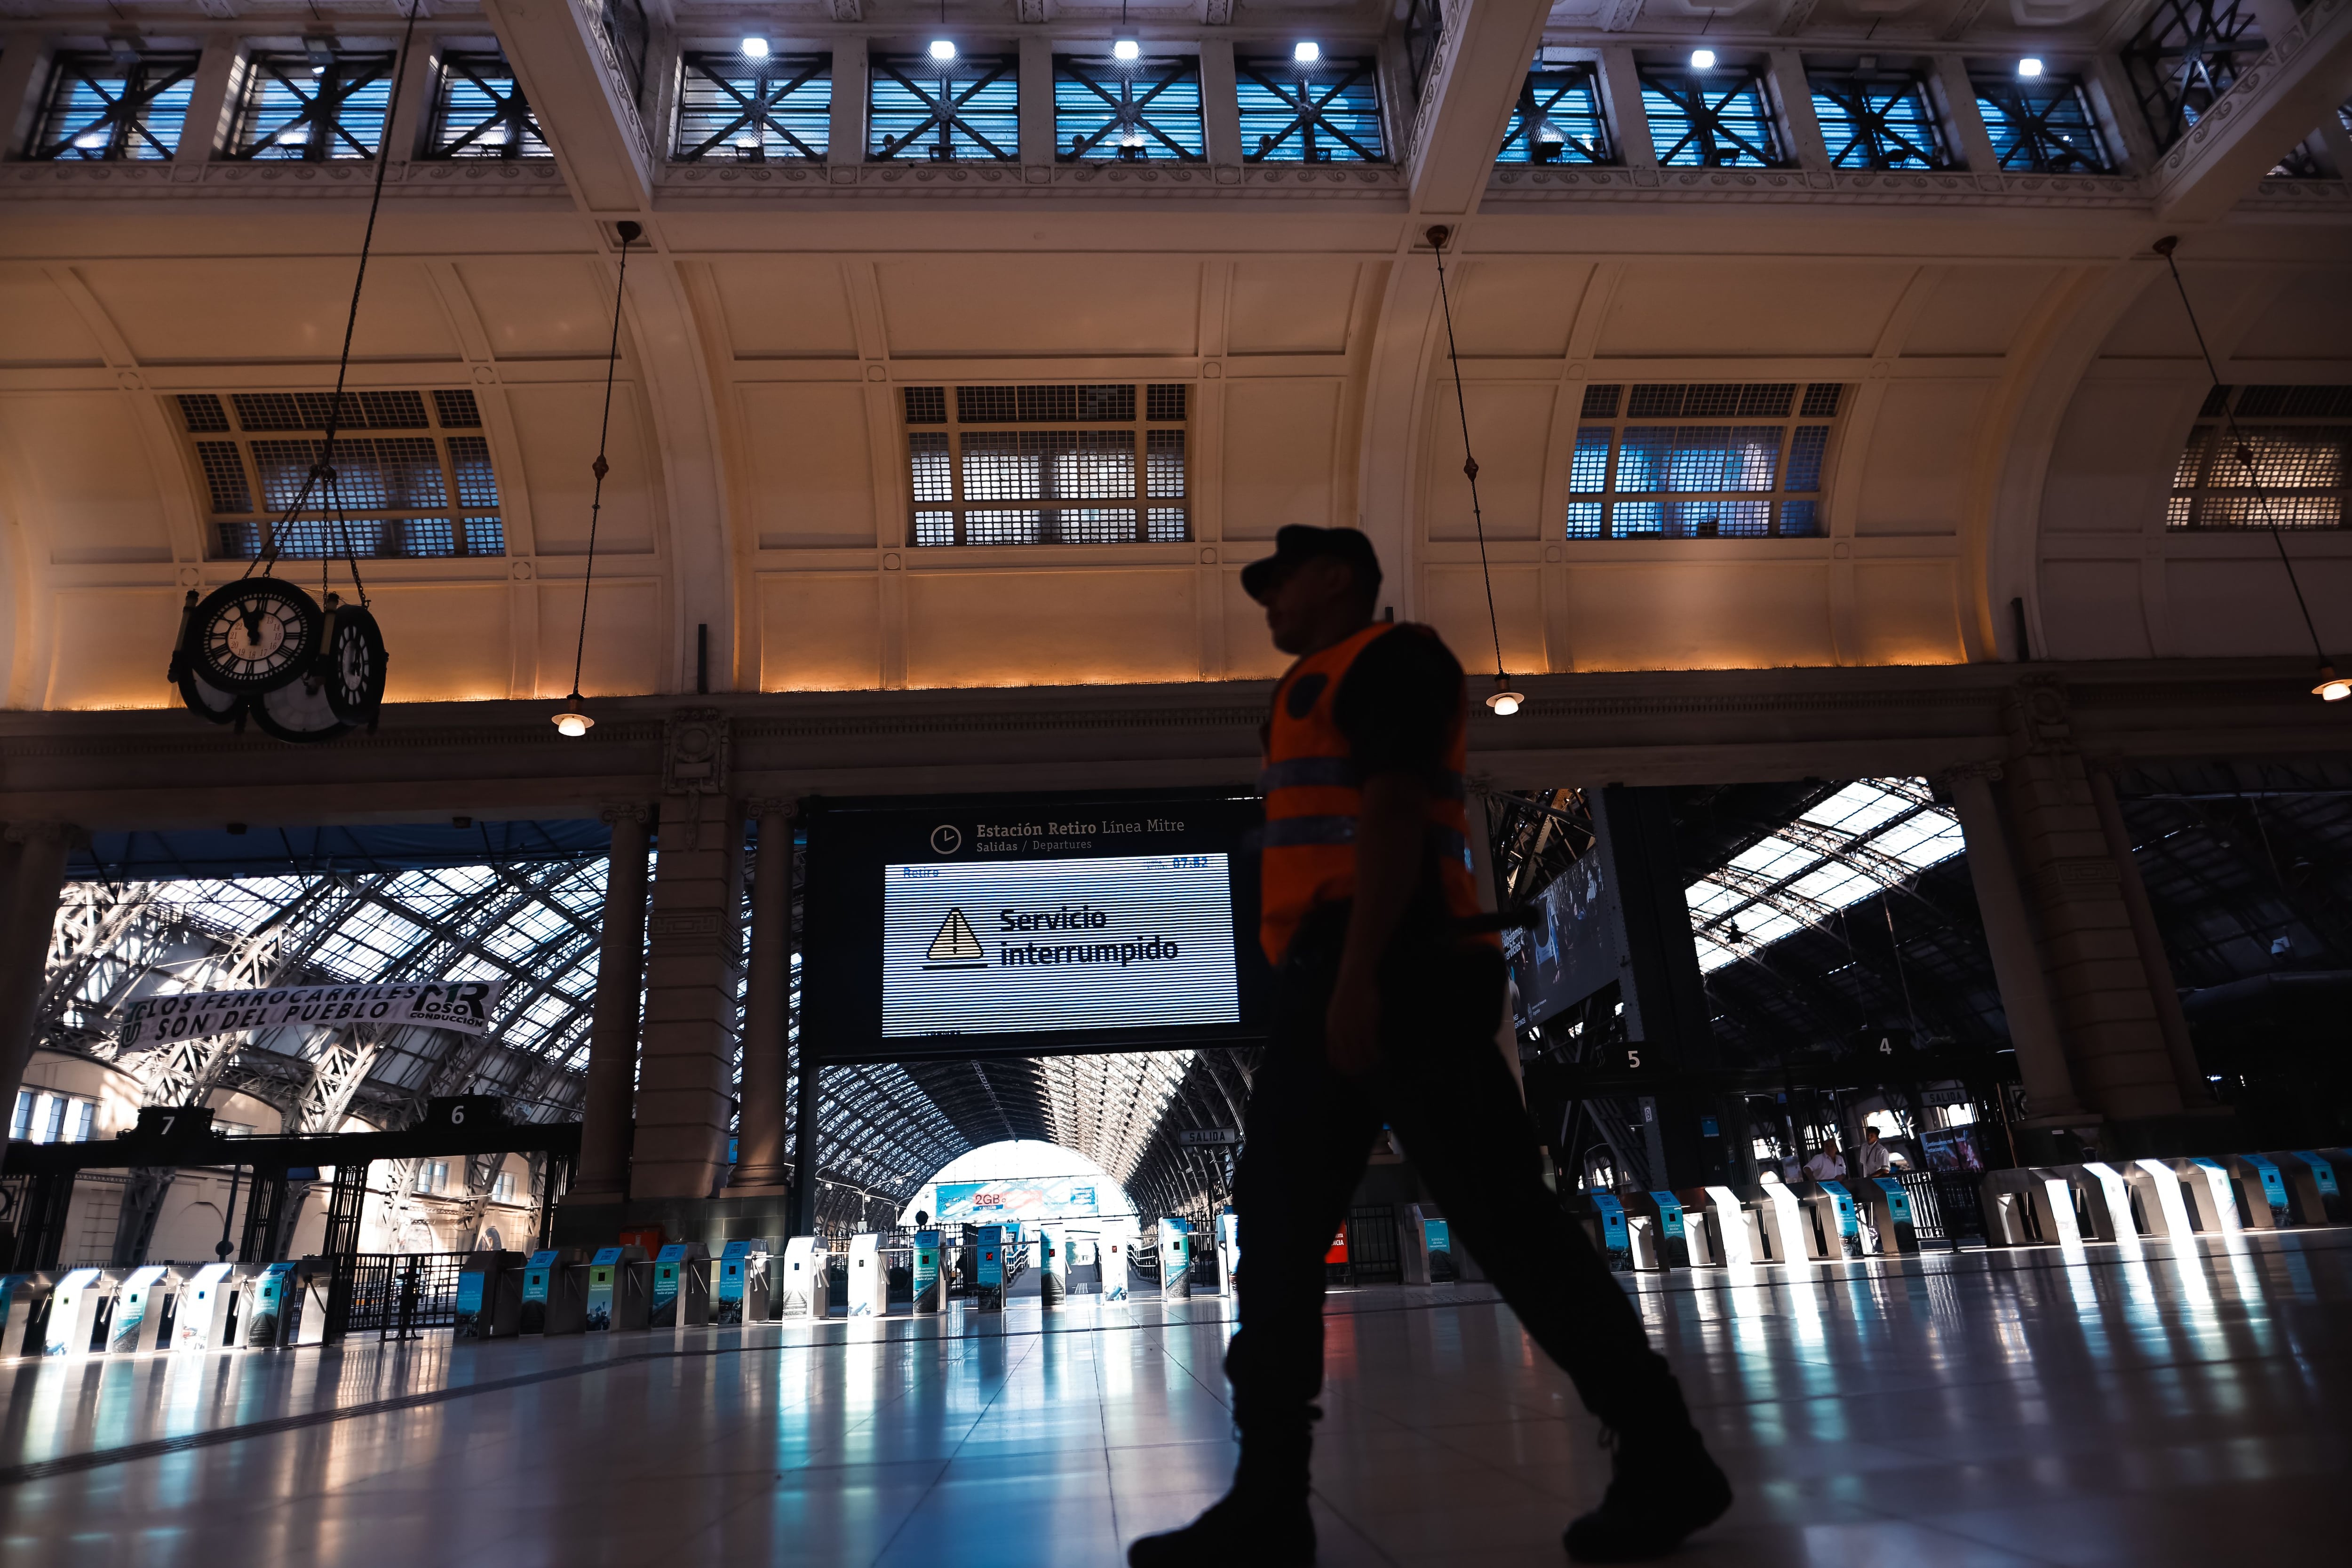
2041,1406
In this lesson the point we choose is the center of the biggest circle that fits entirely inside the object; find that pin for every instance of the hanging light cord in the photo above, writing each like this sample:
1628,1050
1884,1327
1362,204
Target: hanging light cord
324,469
629,232
1437,237
2241,449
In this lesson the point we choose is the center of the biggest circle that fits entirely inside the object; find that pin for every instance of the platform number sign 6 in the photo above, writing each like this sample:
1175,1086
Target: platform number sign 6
456,1116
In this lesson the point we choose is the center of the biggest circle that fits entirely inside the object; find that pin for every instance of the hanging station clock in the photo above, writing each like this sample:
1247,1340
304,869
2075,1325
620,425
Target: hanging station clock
261,648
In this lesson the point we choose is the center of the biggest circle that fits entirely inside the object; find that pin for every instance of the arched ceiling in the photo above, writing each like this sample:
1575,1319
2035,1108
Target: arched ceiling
2005,341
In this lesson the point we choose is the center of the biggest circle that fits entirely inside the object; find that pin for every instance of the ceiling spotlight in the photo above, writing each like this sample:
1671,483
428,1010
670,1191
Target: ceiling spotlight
572,723
1306,54
1127,49
1702,59
942,50
2029,66
1505,701
2332,687
755,48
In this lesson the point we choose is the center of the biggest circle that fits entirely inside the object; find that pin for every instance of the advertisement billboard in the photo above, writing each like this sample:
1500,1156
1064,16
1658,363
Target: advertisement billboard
1026,1199
1578,949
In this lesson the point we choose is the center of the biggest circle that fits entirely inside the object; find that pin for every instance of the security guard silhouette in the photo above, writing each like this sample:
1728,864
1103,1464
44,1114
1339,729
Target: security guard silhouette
1387,1012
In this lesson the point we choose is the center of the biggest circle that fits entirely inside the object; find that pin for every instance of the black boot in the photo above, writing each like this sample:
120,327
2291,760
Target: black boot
1665,1486
1243,1529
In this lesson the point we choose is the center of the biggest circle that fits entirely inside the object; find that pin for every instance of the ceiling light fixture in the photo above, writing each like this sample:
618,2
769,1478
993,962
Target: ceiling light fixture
1505,701
755,48
1127,49
571,722
942,50
1306,54
1702,59
2029,66
2332,687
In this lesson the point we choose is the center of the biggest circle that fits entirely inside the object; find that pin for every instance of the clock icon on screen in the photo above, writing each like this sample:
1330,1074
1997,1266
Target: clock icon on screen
946,840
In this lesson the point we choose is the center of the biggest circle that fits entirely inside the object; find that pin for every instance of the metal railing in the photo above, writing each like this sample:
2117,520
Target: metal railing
402,1295
1946,1206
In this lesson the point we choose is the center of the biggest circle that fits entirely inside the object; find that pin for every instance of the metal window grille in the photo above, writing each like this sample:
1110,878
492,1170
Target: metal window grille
312,107
1134,110
1424,30
428,490
2042,125
123,106
752,110
1048,465
2295,442
1718,118
946,110
479,112
625,25
1878,121
1558,119
1326,113
1701,461
2185,55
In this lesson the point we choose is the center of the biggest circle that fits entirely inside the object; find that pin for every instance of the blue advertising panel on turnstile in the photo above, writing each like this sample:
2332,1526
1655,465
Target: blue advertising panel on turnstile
669,1263
2323,1181
2273,1188
1616,1240
988,1266
1674,1236
603,1270
1849,1223
536,1275
930,1290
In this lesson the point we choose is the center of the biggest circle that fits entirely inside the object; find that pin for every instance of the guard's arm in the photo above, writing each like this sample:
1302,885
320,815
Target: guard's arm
1389,826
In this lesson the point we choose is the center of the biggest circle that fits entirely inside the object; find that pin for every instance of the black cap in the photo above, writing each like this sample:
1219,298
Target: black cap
1298,544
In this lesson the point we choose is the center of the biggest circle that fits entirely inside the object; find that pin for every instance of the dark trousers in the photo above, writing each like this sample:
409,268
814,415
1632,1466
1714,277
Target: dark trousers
1442,1086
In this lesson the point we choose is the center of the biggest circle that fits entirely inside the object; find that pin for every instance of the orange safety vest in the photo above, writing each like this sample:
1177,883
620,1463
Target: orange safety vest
1314,794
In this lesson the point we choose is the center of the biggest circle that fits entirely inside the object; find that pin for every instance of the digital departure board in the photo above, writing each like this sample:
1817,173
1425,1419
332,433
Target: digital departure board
987,926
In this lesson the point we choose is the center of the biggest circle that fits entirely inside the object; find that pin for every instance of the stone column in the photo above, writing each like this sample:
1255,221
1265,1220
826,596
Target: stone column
2114,1043
33,861
603,1173
685,1092
760,1128
2016,961
2196,1094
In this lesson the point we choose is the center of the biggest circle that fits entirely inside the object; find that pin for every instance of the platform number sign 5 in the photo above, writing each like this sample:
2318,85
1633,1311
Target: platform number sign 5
1633,1058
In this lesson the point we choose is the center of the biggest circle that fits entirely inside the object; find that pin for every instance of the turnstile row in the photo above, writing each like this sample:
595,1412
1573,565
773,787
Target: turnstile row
155,1307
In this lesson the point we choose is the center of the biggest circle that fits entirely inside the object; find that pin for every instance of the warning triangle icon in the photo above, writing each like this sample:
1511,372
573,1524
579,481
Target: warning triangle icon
956,944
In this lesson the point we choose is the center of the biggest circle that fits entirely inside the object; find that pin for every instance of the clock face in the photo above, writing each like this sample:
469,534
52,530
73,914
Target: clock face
254,634
353,666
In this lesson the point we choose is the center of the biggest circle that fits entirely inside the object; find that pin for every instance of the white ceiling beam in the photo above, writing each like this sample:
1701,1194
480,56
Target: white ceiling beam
1482,60
2302,78
573,81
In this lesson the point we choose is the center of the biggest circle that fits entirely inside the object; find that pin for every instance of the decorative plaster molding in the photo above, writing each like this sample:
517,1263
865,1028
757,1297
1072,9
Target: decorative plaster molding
634,810
848,10
2226,107
1525,183
1216,13
617,79
1033,13
694,751
84,182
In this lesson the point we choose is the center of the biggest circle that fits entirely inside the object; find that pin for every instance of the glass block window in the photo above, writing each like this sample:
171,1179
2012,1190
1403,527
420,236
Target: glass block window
1877,120
1558,119
2291,446
1718,118
945,111
731,106
125,106
1702,461
298,106
479,112
411,474
2041,125
1099,463
1326,113
1134,110
2186,54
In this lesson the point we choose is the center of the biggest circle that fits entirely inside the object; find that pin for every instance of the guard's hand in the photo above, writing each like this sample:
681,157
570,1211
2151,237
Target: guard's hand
1351,1027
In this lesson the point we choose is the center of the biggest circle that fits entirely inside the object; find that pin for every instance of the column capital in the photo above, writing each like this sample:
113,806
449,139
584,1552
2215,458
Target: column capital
617,811
64,833
1988,770
772,805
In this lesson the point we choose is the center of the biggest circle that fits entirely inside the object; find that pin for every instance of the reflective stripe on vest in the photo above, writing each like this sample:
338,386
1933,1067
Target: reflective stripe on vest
1314,796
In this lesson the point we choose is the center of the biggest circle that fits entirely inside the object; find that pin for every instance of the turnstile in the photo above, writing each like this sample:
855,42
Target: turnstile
2312,1190
554,1293
2263,1202
1730,1230
272,1318
1890,1215
1657,1220
2105,1201
1112,1252
1611,1234
1837,1222
1175,1260
2212,1197
138,1311
200,1320
680,1297
1782,1225
801,1289
869,1281
988,1271
2030,1206
74,1307
1053,1265
2156,1187
23,1297
741,1294
1225,1227
931,1272
617,1281
489,1296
